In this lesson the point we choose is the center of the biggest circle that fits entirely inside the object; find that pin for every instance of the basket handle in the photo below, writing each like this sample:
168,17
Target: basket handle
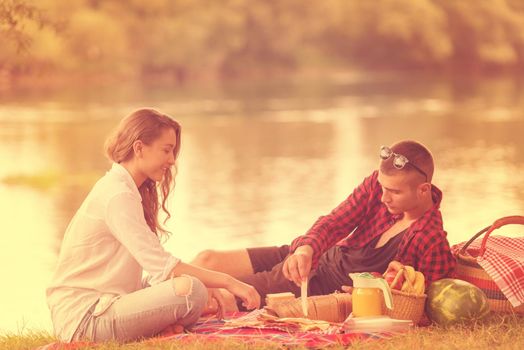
507,220
397,276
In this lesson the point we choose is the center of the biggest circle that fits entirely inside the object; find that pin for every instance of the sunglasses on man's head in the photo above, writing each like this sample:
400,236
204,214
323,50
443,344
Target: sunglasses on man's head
399,160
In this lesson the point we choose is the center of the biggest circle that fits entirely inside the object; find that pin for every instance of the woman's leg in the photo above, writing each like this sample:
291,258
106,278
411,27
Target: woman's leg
148,311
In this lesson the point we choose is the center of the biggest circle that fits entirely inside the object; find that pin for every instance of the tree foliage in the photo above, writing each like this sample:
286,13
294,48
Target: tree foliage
15,16
193,39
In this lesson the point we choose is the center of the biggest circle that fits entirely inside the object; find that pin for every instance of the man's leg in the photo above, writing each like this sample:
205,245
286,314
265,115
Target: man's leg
328,277
242,262
248,265
268,282
233,262
331,273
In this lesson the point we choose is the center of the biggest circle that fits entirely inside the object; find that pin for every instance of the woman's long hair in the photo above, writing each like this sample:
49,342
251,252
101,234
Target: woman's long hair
145,125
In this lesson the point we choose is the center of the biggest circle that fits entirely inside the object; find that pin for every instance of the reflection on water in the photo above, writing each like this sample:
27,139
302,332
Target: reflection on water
258,164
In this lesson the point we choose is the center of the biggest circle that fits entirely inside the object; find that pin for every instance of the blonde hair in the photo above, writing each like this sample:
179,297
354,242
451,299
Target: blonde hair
145,125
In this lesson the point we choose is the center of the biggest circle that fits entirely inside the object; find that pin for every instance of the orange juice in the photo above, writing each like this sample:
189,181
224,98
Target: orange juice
367,302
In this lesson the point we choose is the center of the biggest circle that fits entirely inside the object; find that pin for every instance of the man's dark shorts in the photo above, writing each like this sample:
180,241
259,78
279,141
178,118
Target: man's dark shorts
268,278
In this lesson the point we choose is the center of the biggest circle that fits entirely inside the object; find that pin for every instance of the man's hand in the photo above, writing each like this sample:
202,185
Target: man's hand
347,289
297,266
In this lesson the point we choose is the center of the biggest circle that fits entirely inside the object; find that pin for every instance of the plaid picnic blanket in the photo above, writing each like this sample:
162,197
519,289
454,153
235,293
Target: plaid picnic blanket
213,329
503,261
210,329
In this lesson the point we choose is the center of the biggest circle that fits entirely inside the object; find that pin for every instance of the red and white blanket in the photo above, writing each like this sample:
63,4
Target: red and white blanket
238,326
503,261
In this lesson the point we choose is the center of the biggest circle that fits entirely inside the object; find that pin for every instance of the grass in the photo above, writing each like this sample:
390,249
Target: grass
496,332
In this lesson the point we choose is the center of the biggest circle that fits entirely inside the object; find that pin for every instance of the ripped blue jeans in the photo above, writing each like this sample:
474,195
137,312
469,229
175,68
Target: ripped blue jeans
146,312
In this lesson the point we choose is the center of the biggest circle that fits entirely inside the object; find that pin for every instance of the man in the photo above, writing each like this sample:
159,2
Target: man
393,215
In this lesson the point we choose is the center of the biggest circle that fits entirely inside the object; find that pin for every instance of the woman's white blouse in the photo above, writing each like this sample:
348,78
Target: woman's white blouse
105,249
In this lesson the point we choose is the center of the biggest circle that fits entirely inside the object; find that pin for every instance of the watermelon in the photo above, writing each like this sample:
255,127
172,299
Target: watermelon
452,301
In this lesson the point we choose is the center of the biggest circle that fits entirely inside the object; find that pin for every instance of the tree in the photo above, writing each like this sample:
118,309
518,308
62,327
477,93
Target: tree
14,16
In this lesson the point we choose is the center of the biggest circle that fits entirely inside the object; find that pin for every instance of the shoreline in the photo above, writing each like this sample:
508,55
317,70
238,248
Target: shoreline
55,81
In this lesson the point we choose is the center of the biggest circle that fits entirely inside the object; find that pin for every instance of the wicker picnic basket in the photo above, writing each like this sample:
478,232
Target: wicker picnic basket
469,270
406,306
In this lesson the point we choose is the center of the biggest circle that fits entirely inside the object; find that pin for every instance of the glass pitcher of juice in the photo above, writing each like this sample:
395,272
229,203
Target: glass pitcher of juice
368,294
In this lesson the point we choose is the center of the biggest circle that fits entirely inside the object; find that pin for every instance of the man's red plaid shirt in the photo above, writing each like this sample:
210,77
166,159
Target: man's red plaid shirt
362,217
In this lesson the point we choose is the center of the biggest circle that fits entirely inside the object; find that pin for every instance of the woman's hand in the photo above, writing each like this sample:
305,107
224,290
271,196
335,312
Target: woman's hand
297,266
247,293
213,279
216,303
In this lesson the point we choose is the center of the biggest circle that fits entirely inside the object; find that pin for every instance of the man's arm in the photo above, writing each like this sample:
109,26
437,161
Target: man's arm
342,220
437,262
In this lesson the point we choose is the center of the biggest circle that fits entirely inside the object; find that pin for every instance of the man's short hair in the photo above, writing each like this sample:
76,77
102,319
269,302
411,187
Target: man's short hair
417,154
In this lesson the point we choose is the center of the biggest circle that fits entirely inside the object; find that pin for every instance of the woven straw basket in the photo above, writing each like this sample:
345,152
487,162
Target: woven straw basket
469,270
333,307
406,306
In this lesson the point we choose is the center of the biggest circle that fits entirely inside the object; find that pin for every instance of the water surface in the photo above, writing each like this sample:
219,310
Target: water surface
258,164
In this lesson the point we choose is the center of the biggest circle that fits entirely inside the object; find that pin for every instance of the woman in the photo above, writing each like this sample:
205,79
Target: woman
97,292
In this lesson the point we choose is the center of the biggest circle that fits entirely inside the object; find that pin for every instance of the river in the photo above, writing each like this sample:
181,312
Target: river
259,163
